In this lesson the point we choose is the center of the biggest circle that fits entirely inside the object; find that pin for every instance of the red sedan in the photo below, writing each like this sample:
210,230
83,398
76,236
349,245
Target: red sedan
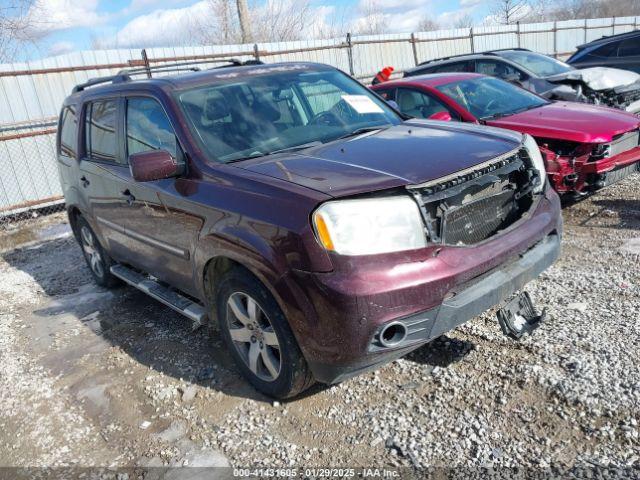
585,147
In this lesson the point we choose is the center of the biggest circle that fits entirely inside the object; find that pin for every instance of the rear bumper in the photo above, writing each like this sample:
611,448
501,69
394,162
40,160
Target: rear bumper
439,287
462,304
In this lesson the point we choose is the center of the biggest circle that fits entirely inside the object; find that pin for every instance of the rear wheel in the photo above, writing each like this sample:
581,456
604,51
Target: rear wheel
97,259
259,338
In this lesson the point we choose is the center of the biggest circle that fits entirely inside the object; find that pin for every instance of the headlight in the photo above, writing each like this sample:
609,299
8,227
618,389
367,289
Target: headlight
369,226
536,158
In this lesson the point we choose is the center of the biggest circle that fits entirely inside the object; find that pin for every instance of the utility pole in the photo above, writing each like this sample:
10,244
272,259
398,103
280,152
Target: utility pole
245,21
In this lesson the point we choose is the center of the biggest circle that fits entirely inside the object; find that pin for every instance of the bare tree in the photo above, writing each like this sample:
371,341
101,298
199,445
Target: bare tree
372,21
465,21
427,24
507,12
547,10
273,21
245,21
18,27
282,20
220,27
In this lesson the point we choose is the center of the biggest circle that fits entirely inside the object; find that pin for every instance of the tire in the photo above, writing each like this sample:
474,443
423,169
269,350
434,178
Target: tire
259,338
98,261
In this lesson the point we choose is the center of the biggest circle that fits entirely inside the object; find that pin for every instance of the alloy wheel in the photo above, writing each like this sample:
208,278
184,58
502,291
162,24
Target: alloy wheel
91,252
254,336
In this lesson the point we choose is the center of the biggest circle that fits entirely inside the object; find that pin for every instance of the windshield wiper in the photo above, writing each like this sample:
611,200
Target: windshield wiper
295,148
258,154
506,114
360,131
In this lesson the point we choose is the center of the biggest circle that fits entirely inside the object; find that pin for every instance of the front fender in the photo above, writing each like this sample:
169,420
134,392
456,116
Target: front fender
265,262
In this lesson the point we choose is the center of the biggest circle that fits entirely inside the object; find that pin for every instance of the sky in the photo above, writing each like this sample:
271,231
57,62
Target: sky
72,25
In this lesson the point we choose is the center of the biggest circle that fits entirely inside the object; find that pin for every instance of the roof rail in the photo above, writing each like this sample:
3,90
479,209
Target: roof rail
488,52
507,49
126,74
190,66
119,78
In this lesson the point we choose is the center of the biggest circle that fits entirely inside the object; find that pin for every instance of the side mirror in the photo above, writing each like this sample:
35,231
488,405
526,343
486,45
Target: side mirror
153,165
393,104
442,116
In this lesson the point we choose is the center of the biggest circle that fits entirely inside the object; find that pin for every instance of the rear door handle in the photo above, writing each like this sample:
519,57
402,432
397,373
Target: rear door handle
85,181
130,198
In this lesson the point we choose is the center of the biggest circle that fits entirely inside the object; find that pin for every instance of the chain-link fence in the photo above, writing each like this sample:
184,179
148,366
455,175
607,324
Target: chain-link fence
31,93
29,184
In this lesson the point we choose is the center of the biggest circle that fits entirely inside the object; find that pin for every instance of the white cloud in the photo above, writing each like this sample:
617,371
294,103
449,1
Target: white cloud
469,3
451,18
59,48
163,27
185,26
388,5
51,15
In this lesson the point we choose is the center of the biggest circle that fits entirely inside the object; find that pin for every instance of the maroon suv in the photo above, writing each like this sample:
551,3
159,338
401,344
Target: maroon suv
320,231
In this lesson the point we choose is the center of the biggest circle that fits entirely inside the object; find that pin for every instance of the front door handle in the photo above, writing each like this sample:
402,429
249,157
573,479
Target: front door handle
85,181
130,197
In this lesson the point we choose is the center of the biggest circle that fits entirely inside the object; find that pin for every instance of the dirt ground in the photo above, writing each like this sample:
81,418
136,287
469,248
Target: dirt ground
90,377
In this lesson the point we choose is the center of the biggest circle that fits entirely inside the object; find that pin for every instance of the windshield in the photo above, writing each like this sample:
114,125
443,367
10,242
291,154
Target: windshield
274,109
487,97
538,64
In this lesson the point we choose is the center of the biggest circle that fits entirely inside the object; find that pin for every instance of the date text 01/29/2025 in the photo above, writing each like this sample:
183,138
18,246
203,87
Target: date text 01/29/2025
316,472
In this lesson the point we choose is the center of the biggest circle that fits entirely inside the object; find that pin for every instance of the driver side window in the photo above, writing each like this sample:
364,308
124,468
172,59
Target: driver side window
418,104
497,69
148,127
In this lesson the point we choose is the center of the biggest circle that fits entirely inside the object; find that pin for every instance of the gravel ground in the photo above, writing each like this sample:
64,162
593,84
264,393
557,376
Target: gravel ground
97,378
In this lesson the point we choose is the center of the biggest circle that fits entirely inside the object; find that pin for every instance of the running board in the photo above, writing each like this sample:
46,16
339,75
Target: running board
172,299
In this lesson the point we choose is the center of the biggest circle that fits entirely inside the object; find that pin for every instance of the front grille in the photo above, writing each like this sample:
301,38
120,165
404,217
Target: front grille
624,143
478,203
477,221
613,176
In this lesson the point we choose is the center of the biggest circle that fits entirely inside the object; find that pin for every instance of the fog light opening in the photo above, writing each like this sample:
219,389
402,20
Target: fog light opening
393,334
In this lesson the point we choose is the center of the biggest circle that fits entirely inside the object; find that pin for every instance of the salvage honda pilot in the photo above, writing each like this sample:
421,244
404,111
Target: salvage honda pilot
287,204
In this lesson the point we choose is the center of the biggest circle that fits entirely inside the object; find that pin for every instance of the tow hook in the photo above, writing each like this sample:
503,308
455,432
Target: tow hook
519,316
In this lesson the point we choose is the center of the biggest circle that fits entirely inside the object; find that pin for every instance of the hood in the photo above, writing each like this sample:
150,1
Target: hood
411,153
571,121
598,78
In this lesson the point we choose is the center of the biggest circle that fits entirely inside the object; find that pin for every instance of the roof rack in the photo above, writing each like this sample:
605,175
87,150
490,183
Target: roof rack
126,74
488,52
97,81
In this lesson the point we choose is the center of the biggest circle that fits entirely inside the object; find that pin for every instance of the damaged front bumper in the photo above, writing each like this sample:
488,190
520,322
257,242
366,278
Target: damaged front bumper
600,86
585,174
461,304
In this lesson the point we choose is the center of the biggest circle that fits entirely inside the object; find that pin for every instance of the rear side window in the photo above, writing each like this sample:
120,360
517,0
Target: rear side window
101,131
69,133
148,127
608,50
629,48
466,66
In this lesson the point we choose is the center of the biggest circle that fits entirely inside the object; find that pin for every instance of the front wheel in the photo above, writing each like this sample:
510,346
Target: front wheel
97,259
259,338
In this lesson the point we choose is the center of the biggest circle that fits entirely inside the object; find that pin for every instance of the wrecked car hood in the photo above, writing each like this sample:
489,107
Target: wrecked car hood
599,78
571,121
411,153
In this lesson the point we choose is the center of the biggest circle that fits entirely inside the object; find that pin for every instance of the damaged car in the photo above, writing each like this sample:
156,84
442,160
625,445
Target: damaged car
292,209
546,76
585,147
